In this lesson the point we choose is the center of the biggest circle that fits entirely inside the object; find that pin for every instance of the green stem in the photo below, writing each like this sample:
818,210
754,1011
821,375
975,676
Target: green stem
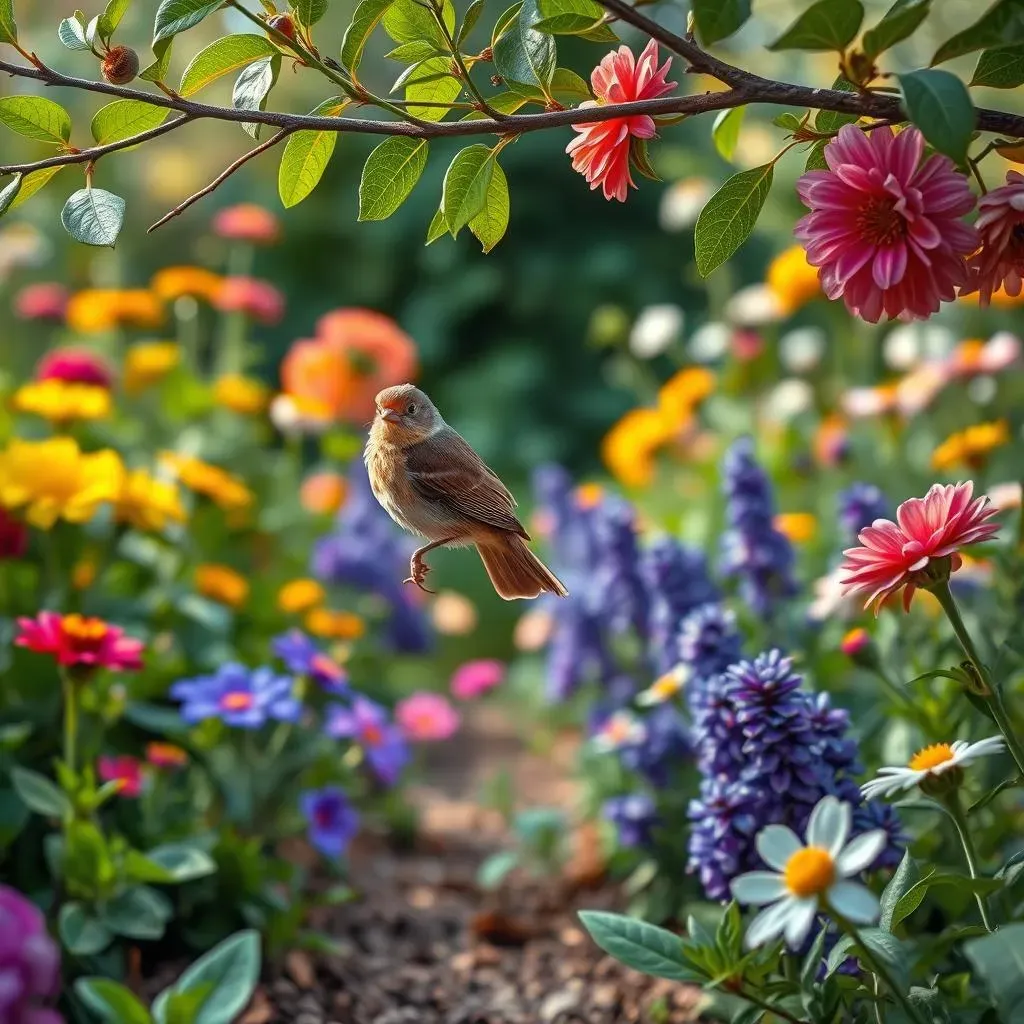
457,57
757,1001
956,813
991,697
70,693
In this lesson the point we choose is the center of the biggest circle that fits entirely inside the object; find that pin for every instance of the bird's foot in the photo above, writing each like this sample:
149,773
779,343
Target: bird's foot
418,573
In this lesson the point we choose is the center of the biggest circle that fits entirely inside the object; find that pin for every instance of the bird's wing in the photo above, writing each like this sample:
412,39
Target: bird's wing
444,469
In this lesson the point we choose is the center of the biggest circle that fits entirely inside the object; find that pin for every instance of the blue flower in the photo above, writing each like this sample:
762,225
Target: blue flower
622,595
633,815
578,651
303,657
383,743
238,696
708,644
859,506
333,821
725,822
664,746
753,551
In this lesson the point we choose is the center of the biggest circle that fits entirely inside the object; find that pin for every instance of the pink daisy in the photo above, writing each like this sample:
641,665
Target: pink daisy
896,556
124,769
601,151
477,677
75,366
1000,260
80,642
427,716
886,229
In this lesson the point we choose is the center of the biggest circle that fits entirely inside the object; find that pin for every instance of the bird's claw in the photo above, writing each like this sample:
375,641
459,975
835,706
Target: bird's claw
419,570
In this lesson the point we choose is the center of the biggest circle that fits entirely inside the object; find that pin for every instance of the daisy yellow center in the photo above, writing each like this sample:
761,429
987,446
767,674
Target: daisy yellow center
84,630
667,686
238,700
878,222
931,757
809,871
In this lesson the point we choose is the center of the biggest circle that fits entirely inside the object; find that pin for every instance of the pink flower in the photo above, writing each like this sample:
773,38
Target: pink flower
895,556
46,300
124,769
602,150
427,716
80,642
13,537
247,222
75,366
477,677
257,299
1000,260
885,229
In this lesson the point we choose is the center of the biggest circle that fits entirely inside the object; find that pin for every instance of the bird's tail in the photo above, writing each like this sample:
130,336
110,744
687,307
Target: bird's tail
516,571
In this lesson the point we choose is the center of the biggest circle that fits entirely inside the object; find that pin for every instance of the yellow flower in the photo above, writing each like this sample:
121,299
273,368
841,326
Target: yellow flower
799,527
173,282
83,574
220,486
222,584
628,449
332,625
244,395
146,503
101,309
148,363
792,280
61,401
972,446
54,480
682,393
299,596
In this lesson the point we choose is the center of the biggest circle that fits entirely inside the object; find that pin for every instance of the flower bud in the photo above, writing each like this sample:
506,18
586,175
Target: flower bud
858,646
120,65
943,785
283,23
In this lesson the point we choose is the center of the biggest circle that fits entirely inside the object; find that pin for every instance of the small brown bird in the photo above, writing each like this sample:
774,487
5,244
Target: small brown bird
432,483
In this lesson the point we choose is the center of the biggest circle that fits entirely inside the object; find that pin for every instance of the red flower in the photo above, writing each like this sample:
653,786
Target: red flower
124,769
80,642
257,299
247,222
13,537
46,300
75,366
896,556
602,150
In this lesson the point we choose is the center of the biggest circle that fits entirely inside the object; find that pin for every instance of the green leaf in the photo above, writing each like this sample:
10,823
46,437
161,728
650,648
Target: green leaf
885,946
567,16
491,223
137,913
87,863
717,19
33,182
726,131
389,175
930,1003
157,71
898,23
476,8
124,118
111,17
93,216
81,933
1000,69
914,896
174,16
111,1002
413,53
222,57
464,190
408,21
494,870
309,12
1001,25
140,868
940,105
229,972
184,862
827,25
14,817
36,117
252,87
10,192
8,27
71,32
437,228
430,82
37,792
306,156
365,19
729,217
639,945
999,959
522,54
831,120
906,876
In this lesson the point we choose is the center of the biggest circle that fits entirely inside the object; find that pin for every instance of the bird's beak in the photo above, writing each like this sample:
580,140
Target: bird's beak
390,415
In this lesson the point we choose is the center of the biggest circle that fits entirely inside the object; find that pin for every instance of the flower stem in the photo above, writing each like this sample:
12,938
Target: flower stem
956,813
70,693
756,1000
992,697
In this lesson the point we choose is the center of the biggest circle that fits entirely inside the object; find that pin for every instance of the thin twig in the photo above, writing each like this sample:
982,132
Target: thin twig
222,177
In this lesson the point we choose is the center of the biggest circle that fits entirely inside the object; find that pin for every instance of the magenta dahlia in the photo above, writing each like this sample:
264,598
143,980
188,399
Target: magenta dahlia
885,229
999,263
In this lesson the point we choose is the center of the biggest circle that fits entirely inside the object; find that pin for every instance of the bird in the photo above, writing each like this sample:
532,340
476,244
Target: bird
432,483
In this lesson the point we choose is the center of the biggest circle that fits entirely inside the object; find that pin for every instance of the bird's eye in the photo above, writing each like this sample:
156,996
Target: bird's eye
411,409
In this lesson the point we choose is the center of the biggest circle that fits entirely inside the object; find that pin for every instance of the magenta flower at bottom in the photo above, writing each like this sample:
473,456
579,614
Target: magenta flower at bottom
886,228
29,963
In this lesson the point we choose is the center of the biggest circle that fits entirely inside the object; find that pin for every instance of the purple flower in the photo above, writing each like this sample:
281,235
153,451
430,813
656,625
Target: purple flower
859,506
709,643
753,551
367,723
664,747
579,651
633,815
303,657
240,697
333,821
622,595
725,822
29,963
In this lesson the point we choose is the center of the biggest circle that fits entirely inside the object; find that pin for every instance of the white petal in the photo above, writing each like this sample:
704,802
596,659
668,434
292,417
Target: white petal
829,825
983,748
854,901
861,852
758,887
886,786
776,844
768,925
799,920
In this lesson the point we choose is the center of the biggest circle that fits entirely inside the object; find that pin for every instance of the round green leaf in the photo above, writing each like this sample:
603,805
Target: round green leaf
389,175
827,25
36,117
222,57
137,913
717,19
93,216
81,933
111,1001
174,16
940,105
729,217
464,191
124,118
71,32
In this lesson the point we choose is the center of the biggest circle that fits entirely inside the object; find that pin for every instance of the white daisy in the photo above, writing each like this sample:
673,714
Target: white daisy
807,877
930,761
666,687
623,729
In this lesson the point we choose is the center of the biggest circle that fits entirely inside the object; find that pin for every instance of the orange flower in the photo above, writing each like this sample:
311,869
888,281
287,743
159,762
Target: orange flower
174,282
102,309
323,493
628,449
799,527
682,393
792,280
971,447
148,363
222,584
831,441
356,353
220,486
243,395
299,596
332,625
166,755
